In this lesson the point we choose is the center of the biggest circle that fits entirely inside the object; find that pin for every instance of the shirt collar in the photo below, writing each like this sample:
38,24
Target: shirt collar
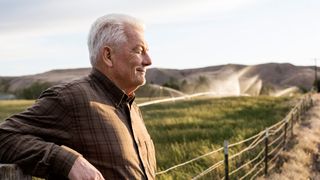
118,96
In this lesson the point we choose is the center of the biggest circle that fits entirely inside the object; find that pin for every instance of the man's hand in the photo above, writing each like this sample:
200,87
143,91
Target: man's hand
83,170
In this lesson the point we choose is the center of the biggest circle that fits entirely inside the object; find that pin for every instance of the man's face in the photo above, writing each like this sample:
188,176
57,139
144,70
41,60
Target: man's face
130,61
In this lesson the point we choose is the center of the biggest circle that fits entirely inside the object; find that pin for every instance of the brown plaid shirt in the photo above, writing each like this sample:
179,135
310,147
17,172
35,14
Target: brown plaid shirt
91,116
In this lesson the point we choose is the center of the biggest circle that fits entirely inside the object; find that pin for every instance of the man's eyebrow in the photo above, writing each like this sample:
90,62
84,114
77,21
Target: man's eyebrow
144,47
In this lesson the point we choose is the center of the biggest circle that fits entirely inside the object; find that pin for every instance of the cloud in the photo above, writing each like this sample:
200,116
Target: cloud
27,22
211,31
37,16
189,10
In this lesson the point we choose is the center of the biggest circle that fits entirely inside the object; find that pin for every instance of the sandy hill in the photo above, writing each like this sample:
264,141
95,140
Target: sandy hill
230,79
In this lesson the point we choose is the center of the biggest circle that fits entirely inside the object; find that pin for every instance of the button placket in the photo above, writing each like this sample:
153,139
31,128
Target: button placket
140,145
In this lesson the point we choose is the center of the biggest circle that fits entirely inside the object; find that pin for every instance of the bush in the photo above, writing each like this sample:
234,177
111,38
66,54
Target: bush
316,84
172,83
4,85
33,91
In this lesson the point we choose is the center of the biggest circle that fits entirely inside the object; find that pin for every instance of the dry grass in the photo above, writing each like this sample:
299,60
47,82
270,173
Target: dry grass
302,161
9,107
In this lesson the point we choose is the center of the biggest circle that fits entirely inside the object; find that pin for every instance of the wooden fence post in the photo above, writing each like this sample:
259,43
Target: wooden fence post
226,160
305,105
266,153
292,124
285,134
298,114
12,172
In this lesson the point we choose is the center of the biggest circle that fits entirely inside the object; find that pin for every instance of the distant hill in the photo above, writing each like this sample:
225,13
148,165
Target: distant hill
233,79
230,79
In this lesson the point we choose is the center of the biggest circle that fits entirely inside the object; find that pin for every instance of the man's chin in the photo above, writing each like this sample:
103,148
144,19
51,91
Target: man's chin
142,83
139,81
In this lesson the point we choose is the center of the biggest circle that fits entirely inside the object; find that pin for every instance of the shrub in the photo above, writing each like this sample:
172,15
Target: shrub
172,83
33,91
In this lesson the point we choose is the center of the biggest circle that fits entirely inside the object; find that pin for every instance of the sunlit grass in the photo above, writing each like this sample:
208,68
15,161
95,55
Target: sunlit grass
9,107
186,129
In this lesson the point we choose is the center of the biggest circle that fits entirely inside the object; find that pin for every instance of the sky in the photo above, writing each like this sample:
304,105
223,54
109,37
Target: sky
41,35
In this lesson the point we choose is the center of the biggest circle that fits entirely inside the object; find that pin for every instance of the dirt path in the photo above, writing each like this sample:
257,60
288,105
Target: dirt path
302,160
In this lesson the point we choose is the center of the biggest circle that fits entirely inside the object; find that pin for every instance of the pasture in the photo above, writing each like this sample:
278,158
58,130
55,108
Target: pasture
9,107
183,130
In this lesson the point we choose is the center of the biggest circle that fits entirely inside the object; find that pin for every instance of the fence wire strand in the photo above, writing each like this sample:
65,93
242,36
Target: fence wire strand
274,149
257,173
208,170
245,149
246,140
273,132
190,161
249,162
254,167
277,139
275,156
272,166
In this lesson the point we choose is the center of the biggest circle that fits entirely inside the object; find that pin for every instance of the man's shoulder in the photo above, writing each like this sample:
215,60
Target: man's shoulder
70,87
70,92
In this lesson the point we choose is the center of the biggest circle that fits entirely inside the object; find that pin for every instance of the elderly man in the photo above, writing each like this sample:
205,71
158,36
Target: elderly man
90,128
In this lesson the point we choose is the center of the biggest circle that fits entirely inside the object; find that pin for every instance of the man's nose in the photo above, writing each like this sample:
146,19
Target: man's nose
146,60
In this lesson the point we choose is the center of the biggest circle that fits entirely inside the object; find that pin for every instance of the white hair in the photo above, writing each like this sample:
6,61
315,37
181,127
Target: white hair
109,30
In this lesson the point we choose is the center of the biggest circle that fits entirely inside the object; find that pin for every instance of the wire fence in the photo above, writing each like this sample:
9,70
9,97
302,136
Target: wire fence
256,155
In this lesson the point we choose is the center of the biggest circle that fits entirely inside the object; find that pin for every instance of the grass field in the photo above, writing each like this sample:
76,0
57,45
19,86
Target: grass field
183,130
186,129
9,107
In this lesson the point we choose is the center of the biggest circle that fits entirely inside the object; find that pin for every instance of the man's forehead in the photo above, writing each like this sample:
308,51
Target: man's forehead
137,37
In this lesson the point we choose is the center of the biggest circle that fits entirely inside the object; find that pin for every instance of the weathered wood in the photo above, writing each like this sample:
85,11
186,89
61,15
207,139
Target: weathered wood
12,172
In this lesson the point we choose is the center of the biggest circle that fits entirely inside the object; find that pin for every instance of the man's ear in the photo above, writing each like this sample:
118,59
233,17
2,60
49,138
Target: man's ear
106,55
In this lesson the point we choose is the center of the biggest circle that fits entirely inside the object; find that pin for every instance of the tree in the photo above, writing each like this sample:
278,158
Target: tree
33,91
316,84
202,84
186,87
172,83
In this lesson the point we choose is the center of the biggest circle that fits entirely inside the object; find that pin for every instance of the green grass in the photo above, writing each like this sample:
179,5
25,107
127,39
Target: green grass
183,130
186,129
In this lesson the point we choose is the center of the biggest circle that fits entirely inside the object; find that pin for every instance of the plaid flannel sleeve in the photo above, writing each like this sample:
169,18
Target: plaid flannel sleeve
32,139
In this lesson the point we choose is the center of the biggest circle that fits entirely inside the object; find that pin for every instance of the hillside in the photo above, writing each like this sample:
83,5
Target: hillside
230,79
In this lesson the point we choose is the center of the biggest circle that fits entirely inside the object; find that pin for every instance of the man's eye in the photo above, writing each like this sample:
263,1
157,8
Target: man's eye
138,50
